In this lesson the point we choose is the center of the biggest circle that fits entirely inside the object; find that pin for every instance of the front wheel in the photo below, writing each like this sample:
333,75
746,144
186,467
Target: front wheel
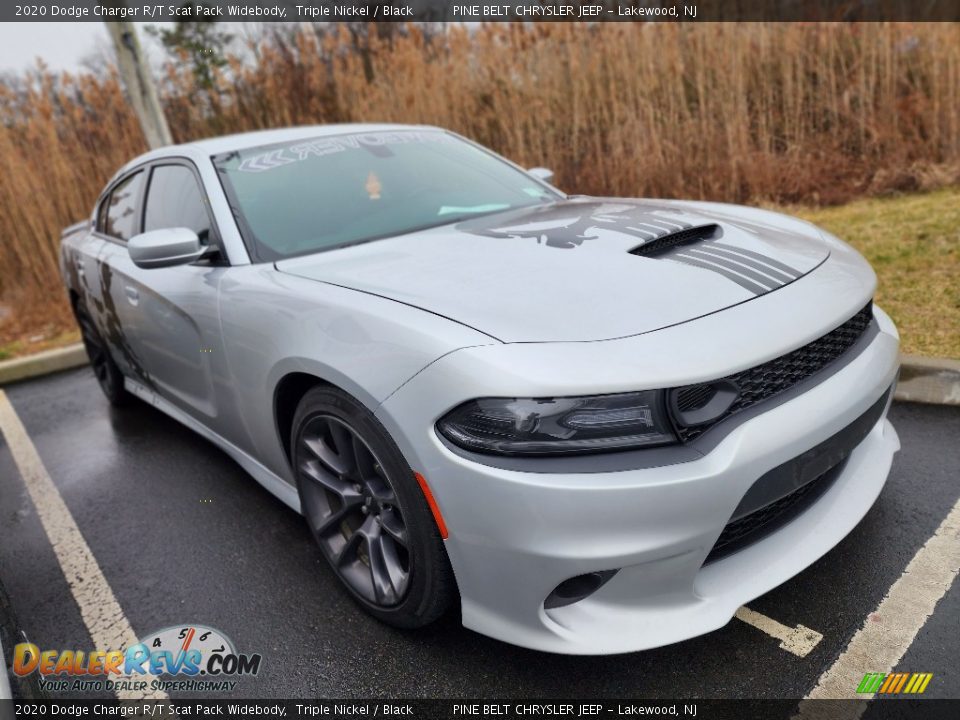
366,511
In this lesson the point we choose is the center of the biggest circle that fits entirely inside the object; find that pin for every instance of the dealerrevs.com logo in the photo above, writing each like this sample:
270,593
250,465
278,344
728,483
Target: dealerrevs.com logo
186,658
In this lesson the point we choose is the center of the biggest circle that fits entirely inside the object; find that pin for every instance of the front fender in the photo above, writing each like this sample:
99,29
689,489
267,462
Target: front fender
275,324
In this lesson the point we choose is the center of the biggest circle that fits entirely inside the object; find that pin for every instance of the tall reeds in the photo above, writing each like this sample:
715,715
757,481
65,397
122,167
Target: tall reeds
817,113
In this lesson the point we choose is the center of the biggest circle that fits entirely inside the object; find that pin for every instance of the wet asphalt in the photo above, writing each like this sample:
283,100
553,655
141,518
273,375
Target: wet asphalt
184,536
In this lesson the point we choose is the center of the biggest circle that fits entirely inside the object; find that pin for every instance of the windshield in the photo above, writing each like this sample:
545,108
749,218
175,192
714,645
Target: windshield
312,195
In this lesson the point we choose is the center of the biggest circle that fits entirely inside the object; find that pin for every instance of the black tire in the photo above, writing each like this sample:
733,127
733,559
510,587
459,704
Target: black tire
370,518
104,368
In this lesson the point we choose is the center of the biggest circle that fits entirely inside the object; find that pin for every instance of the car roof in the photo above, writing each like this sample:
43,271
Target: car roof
201,149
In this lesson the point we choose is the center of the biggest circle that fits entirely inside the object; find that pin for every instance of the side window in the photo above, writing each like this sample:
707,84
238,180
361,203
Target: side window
121,220
102,214
174,199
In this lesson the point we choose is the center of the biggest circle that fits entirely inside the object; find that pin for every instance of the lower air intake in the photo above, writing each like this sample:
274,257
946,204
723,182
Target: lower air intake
747,530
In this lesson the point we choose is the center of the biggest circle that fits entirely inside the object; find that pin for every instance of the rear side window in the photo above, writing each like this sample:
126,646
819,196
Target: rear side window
102,214
121,215
174,199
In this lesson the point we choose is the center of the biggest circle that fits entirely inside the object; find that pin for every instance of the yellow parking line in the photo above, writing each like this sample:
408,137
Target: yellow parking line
798,641
108,626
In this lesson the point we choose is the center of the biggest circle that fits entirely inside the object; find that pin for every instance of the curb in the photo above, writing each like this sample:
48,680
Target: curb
44,363
929,380
935,381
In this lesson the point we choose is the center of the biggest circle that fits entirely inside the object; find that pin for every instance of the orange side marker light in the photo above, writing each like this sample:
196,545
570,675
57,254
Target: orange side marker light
434,508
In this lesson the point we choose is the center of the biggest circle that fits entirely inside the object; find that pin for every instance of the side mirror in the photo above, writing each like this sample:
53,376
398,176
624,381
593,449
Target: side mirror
165,248
542,173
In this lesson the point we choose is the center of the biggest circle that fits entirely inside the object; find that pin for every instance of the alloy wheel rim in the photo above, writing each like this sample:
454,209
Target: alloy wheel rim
353,510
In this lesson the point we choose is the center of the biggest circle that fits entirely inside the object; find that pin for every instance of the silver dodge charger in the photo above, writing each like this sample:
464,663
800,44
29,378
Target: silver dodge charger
595,425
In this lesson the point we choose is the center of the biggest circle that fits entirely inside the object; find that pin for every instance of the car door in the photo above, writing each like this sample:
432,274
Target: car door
117,222
170,315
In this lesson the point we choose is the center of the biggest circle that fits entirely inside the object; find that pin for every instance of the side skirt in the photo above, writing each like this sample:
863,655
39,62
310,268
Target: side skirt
276,485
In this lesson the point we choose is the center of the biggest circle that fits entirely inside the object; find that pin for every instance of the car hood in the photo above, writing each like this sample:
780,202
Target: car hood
580,269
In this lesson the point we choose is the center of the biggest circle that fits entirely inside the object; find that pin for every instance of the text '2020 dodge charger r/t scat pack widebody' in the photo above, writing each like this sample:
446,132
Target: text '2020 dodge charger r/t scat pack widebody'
600,425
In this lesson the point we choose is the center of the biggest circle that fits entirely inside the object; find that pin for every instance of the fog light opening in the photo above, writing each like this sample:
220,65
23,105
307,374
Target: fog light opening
577,588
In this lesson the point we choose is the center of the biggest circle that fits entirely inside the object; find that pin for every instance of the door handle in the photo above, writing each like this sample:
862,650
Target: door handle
133,295
79,266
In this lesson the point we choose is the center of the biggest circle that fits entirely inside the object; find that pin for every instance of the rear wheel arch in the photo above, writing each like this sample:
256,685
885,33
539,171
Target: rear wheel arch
108,374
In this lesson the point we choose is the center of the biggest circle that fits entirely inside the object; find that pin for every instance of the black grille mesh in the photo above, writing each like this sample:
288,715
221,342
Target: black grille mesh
750,528
681,237
771,378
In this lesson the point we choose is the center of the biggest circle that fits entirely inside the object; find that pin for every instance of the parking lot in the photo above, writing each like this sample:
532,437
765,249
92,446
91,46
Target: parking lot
183,536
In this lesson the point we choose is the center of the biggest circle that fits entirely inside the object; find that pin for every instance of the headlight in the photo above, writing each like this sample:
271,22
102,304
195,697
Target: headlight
556,426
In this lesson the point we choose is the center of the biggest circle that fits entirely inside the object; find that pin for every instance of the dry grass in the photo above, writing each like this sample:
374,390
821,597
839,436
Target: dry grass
811,114
913,242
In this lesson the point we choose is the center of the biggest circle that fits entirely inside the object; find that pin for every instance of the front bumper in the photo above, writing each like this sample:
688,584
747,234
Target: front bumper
514,536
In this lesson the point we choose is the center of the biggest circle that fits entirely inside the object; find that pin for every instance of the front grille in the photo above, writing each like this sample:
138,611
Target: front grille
749,529
774,377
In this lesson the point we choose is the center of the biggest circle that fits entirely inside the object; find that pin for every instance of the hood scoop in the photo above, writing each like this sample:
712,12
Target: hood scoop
699,247
688,236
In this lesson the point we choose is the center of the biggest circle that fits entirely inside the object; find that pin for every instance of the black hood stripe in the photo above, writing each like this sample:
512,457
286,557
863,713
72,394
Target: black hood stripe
660,225
657,230
738,279
735,266
746,262
762,258
670,225
653,235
